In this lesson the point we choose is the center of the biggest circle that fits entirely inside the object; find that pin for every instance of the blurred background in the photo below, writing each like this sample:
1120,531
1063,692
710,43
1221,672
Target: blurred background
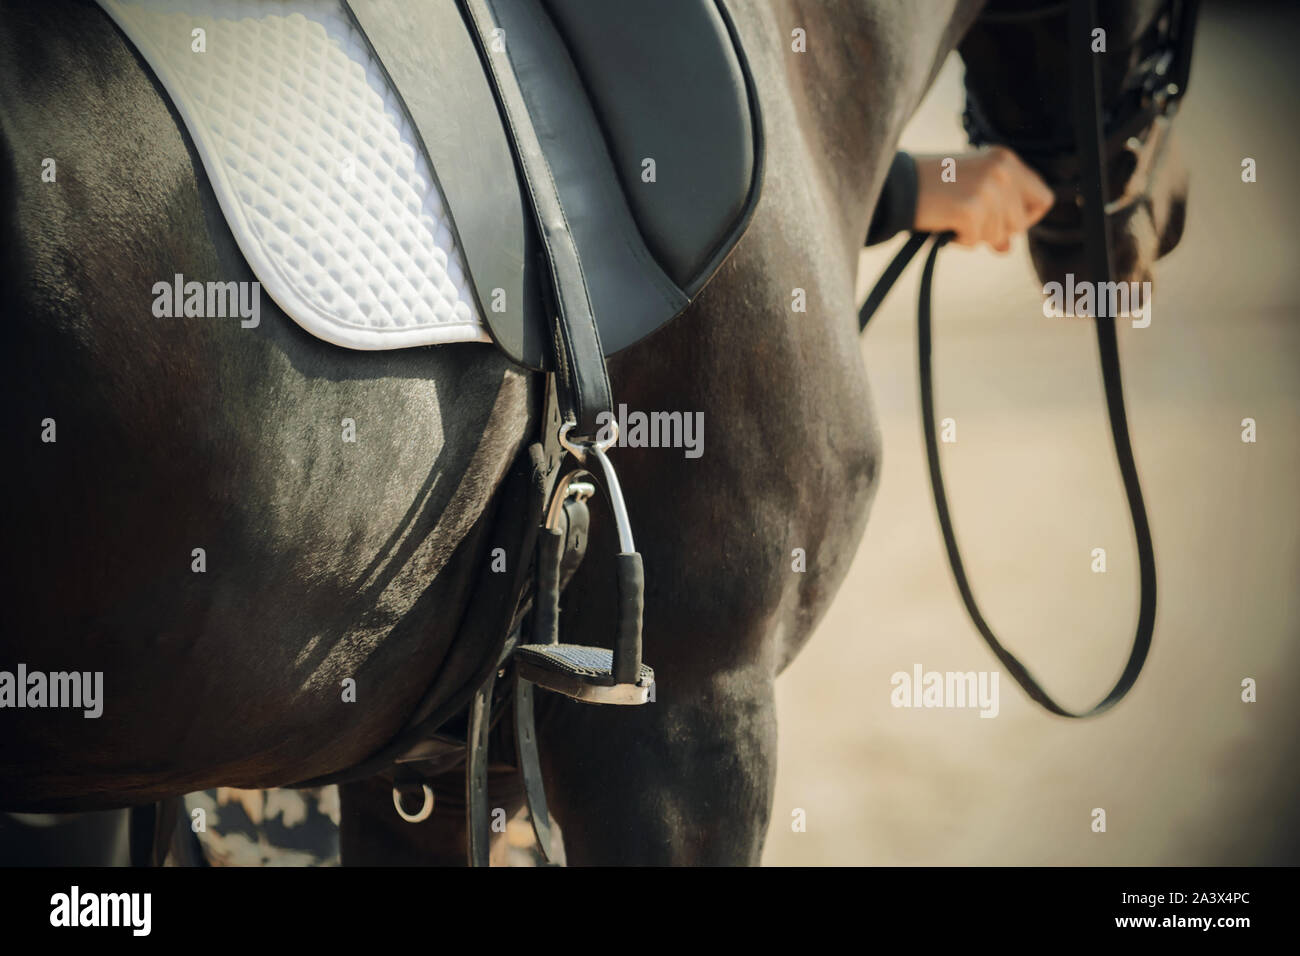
1187,772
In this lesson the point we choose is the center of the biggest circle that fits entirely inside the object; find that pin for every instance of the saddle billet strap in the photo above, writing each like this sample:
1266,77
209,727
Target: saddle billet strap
550,455
479,834
530,767
1086,96
580,371
528,760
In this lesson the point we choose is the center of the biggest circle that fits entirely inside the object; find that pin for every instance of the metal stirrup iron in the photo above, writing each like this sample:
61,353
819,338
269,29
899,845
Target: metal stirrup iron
595,675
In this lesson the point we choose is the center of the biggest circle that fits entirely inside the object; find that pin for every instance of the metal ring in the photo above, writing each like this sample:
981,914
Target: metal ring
579,451
566,487
425,810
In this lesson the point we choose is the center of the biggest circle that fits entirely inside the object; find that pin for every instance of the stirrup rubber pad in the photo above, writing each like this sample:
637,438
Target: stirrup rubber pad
595,664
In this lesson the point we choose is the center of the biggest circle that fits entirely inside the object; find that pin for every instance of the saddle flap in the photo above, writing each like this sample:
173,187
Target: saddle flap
606,87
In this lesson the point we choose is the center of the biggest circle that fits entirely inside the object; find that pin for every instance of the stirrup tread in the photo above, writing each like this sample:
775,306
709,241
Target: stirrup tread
581,672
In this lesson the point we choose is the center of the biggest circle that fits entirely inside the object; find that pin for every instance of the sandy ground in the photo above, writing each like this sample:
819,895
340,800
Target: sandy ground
1186,772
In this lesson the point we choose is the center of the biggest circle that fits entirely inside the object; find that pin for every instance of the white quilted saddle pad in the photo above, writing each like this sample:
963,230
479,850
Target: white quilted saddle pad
316,166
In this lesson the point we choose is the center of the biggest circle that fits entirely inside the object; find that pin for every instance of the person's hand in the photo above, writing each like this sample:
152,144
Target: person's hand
994,197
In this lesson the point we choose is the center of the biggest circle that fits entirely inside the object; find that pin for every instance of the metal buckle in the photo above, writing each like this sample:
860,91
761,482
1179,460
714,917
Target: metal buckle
579,449
569,486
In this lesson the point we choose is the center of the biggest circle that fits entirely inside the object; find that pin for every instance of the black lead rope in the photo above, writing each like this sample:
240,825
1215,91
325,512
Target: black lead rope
1107,348
1088,136
1086,96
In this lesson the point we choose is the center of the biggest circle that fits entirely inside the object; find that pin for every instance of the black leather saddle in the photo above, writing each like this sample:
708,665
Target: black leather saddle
641,122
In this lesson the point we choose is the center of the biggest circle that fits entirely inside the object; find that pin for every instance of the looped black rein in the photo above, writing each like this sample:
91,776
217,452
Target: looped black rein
1109,353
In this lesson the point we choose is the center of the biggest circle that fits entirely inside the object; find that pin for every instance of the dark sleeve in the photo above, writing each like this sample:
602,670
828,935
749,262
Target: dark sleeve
896,208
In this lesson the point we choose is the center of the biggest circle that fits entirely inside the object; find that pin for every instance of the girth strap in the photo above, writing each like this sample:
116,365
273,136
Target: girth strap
549,456
476,774
530,767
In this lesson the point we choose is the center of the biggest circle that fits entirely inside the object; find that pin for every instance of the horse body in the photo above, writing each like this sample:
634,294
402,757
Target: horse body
328,560
324,560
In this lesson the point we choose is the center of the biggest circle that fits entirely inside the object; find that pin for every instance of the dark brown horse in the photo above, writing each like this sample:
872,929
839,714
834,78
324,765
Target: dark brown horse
328,561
